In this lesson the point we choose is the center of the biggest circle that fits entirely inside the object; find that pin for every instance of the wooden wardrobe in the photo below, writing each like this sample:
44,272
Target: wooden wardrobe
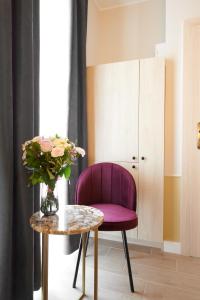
126,126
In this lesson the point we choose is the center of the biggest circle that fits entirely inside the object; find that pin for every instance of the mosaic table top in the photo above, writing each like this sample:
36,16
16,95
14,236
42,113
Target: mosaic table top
71,219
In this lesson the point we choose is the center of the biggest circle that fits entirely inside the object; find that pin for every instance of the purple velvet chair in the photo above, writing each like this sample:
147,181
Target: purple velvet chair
110,188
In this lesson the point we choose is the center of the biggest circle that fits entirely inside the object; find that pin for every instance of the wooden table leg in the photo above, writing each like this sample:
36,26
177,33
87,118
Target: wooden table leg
96,264
45,248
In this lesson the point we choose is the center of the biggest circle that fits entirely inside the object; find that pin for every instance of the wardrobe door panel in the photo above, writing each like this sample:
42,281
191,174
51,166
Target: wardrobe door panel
151,149
113,91
134,170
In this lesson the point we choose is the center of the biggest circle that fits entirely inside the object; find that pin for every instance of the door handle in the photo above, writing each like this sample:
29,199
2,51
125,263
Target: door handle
142,158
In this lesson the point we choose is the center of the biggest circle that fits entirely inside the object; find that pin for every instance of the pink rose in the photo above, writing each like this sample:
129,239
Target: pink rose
46,145
57,151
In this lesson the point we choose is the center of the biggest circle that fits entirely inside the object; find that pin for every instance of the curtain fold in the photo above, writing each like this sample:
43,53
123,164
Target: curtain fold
77,120
19,121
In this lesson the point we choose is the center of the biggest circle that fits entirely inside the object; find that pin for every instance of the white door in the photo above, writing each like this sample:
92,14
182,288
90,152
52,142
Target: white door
190,202
113,91
151,149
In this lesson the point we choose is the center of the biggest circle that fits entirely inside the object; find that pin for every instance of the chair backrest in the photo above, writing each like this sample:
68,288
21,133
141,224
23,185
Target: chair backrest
106,183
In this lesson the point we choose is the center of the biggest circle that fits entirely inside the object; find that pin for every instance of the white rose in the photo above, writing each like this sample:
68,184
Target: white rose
57,152
58,142
24,155
37,139
67,145
26,144
80,151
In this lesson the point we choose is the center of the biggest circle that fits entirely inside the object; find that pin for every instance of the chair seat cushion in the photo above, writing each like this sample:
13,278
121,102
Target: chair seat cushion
117,217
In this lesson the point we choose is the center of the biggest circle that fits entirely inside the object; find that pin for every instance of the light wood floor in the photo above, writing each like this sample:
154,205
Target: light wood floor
157,275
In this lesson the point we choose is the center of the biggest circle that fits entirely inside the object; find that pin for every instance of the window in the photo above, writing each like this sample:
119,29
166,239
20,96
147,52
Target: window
54,84
54,70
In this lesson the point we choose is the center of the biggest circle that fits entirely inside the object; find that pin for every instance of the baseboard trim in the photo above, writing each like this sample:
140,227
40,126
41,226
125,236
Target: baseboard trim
172,247
166,246
115,238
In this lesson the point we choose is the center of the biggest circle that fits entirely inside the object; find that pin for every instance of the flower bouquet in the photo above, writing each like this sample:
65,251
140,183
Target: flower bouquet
49,159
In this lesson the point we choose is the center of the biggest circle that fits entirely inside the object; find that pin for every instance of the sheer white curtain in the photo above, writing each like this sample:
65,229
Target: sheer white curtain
54,65
54,70
54,79
55,20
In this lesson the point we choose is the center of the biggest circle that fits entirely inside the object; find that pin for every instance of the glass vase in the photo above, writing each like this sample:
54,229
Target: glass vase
49,200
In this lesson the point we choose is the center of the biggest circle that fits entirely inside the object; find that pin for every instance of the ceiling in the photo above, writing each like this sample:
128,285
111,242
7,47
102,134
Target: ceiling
108,4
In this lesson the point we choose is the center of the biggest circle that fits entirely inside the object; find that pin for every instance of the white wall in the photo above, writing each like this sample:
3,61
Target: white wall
177,11
124,33
93,33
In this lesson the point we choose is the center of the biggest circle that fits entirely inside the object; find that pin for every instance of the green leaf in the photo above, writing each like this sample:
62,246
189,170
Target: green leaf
34,180
36,146
67,171
51,176
61,172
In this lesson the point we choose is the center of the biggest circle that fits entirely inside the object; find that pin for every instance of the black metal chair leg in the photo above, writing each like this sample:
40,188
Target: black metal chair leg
79,258
128,260
123,244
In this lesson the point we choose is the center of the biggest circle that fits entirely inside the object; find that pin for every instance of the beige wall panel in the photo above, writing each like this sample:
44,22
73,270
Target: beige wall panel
93,50
151,147
172,193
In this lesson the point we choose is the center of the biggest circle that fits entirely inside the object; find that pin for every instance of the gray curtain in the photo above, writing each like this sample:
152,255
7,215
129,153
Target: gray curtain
19,97
77,122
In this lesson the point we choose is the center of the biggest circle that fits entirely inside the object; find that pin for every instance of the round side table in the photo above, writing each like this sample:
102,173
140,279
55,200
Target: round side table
72,219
